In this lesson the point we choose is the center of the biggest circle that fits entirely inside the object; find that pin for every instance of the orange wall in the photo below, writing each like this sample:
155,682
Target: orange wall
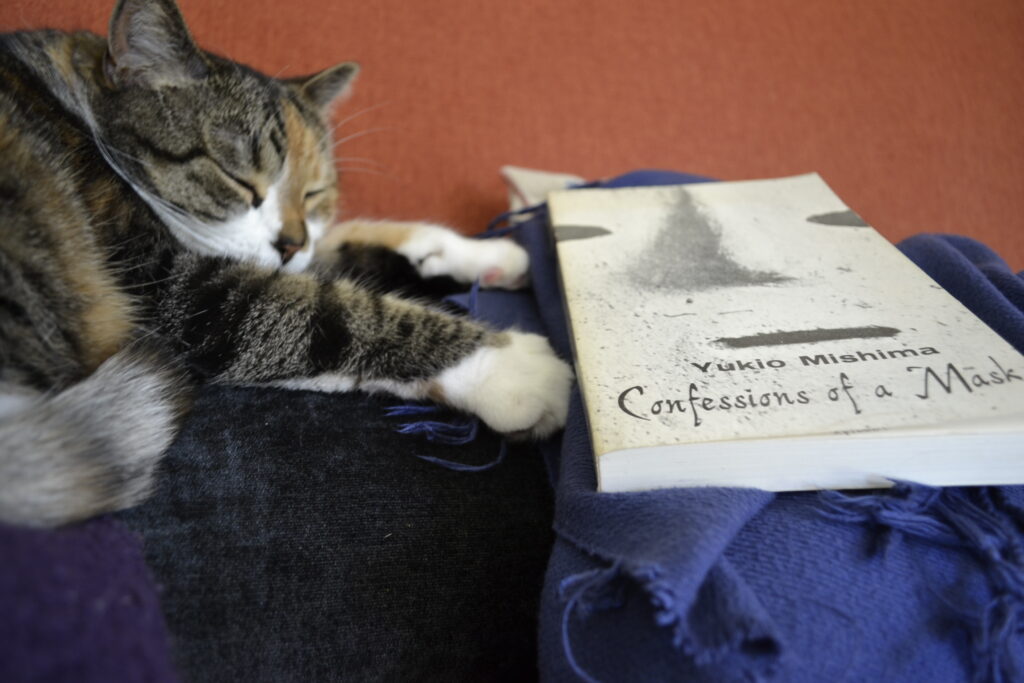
912,109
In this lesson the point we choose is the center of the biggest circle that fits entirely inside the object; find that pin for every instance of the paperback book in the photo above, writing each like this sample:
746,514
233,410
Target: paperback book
760,334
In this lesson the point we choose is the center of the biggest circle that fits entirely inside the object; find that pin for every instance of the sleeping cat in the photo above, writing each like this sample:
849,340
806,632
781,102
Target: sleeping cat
160,211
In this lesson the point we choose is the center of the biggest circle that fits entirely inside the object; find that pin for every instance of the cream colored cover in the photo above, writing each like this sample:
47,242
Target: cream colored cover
762,309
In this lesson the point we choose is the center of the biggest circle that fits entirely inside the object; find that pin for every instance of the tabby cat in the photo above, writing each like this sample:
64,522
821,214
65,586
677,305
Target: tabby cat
160,211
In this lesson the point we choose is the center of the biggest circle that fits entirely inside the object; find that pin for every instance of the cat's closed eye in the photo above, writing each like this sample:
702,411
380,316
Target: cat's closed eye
255,197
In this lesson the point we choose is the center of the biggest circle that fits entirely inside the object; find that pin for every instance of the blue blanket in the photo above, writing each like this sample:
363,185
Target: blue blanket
909,584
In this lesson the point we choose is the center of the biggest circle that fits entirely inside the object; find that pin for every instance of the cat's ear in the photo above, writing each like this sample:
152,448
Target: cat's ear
149,45
329,86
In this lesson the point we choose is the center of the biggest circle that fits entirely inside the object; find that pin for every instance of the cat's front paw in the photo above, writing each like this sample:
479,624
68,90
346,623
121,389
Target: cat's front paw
518,386
437,251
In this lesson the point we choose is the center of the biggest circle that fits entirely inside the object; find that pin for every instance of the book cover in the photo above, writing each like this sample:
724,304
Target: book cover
759,333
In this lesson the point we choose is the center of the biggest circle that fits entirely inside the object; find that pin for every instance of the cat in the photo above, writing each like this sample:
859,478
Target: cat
167,218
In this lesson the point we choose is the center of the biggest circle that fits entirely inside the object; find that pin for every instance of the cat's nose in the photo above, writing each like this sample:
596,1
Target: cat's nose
287,247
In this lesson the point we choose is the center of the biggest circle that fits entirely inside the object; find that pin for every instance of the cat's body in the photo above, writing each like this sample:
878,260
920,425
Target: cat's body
155,195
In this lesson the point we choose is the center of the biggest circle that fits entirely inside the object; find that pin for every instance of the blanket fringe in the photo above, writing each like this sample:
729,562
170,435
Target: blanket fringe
588,592
600,590
979,520
454,433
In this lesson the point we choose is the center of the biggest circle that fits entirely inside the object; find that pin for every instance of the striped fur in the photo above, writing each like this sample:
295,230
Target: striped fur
93,447
153,191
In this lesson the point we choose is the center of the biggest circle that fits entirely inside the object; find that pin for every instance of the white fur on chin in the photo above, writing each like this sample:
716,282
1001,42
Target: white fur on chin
249,236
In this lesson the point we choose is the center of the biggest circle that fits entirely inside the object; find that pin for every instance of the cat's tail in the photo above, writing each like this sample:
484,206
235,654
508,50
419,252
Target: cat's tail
92,448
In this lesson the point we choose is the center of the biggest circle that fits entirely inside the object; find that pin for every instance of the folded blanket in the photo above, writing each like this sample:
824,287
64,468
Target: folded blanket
911,584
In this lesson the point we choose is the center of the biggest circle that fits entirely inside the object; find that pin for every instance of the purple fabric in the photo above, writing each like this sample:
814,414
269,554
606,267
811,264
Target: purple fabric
911,584
79,604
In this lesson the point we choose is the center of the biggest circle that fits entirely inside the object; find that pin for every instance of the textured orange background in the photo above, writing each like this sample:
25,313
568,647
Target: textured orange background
913,110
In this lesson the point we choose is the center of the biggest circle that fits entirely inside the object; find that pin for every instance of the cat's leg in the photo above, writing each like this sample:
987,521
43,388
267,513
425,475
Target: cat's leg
384,270
434,251
242,324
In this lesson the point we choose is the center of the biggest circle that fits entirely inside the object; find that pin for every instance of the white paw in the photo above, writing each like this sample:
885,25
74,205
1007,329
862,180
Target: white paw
437,251
520,389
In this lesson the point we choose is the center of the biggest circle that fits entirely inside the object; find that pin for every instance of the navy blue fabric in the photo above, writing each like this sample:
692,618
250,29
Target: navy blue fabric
912,584
976,276
297,536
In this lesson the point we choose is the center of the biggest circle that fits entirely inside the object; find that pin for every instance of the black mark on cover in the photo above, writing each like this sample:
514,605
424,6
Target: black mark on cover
564,233
781,338
842,219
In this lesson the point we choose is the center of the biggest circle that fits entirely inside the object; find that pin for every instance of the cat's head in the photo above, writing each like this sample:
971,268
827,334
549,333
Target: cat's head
234,162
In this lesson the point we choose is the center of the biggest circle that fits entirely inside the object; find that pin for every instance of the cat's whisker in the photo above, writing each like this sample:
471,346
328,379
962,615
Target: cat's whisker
342,164
128,269
120,153
156,331
353,136
129,240
141,285
362,160
146,334
356,161
353,116
370,171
